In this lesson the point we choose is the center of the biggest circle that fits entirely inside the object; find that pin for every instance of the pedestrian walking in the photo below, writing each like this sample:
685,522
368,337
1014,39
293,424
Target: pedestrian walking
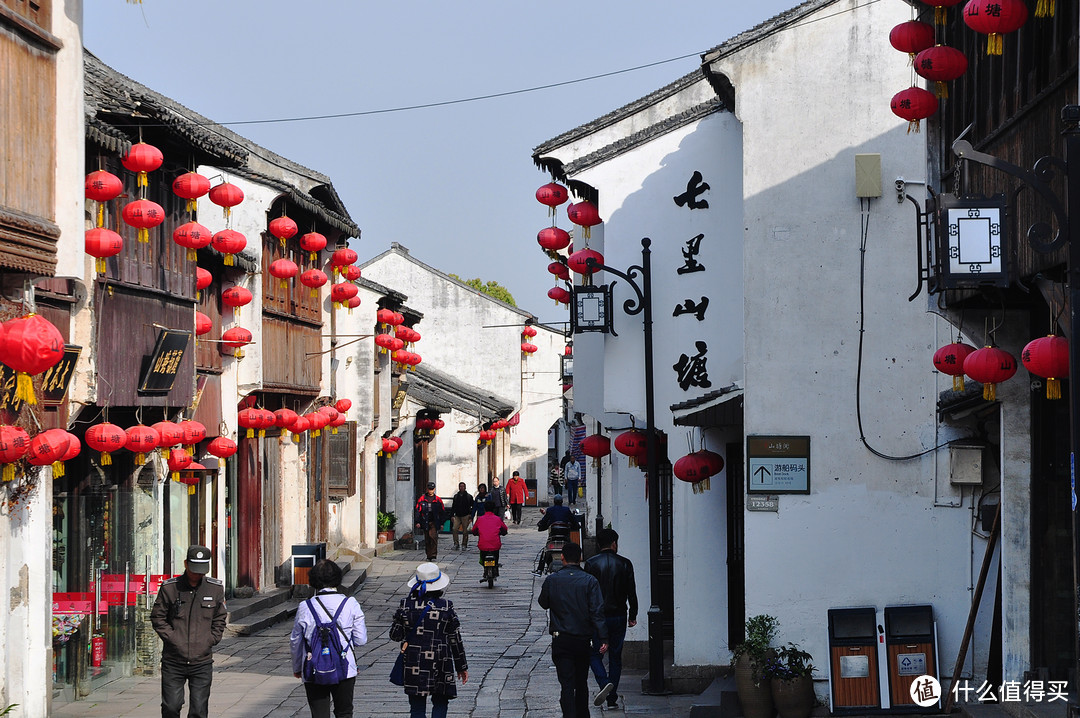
430,634
480,501
461,512
575,614
498,495
189,614
516,493
430,512
572,474
615,575
344,614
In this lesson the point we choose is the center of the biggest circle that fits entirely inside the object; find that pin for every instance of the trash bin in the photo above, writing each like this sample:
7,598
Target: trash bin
304,557
530,485
910,645
853,664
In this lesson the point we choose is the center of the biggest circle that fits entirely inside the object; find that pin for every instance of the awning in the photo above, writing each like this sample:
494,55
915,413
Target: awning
723,407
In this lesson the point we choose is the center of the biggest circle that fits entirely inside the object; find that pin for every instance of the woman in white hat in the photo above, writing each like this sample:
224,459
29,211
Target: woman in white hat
430,635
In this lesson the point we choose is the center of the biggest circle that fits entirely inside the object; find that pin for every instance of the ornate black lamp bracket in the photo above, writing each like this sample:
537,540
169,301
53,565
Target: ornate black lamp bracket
922,244
635,304
1040,235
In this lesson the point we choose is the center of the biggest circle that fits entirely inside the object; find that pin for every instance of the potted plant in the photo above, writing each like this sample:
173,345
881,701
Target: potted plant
750,656
385,521
790,674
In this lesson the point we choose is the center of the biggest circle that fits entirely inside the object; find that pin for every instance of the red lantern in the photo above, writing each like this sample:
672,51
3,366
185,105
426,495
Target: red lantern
553,239
914,104
313,242
388,447
912,37
560,295
439,424
313,278
716,462
342,256
74,447
425,424
337,421
226,196
527,348
577,261
170,434
342,293
299,427
597,446
284,419
384,316
994,18
29,345
941,64
559,270
343,405
102,186
568,350
106,438
317,421
236,338
203,279
632,444
586,215
267,419
939,9
396,344
178,461
141,440
552,195
249,419
1048,357
14,443
353,303
329,412
397,319
142,158
397,441
191,186
384,342
221,447
229,242
949,359
49,447
143,214
692,468
236,297
283,228
102,243
194,432
193,236
529,331
283,269
990,366
350,273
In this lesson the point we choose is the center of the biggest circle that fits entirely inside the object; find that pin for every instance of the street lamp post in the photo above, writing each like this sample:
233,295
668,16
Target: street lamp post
642,304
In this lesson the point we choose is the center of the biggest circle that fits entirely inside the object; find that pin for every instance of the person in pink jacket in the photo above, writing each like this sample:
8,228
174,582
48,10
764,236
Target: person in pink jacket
516,493
489,529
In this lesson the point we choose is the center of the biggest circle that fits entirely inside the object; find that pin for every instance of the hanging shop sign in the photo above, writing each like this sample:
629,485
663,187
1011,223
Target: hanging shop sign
54,381
160,372
778,464
973,242
404,473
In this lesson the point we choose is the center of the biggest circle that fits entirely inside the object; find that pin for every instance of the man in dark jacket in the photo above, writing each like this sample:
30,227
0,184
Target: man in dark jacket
557,513
497,494
430,512
575,614
615,575
461,511
189,614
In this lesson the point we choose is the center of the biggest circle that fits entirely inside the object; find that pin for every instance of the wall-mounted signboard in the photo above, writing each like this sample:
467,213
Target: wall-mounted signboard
778,464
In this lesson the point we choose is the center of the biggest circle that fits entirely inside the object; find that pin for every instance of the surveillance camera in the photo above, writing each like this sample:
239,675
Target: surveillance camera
900,184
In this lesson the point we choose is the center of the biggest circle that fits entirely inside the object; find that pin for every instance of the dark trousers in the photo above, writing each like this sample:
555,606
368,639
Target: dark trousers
418,706
198,679
616,630
570,654
318,698
515,512
431,541
571,488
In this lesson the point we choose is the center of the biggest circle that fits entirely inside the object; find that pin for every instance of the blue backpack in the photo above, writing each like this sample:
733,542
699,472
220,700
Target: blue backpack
328,660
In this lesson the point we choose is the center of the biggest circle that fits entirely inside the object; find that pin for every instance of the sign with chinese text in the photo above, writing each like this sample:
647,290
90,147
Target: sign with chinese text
778,464
160,373
54,381
404,473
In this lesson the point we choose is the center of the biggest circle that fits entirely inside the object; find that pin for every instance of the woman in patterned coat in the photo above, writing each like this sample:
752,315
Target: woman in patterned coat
433,651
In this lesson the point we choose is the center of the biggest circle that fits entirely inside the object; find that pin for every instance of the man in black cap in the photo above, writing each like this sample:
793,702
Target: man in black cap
430,513
189,614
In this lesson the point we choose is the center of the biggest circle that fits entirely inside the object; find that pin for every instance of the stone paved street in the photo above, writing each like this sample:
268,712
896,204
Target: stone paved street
505,634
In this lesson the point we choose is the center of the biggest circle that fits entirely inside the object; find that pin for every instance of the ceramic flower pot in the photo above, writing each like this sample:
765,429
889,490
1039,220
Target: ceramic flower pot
755,698
793,698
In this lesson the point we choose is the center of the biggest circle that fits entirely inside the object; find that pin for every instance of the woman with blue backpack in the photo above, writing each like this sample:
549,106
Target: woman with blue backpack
328,626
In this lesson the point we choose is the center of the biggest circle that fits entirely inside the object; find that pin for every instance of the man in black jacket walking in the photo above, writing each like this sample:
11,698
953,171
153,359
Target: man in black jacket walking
615,575
575,614
429,516
189,614
461,511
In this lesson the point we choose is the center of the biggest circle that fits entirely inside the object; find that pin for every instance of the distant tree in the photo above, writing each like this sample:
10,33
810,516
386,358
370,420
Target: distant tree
492,289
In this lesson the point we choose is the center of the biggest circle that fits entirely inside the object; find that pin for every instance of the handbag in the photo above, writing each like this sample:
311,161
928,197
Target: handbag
397,673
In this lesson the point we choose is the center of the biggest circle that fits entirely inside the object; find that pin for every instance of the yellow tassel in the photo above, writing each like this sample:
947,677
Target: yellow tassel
24,388
262,433
57,469
284,283
586,232
143,180
994,43
296,438
333,430
226,211
140,458
315,433
236,313
1053,388
282,242
191,489
314,292
100,214
99,265
941,90
314,257
9,472
192,255
229,260
912,126
192,205
144,235
284,434
958,382
989,391
175,476
106,458
939,15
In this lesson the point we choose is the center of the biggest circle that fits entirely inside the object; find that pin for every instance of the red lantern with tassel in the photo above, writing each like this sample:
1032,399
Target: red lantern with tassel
74,448
179,460
48,447
560,270
914,104
170,434
384,342
912,37
353,303
236,297
102,186
343,405
141,159
560,295
995,18
106,438
351,273
29,345
141,440
990,366
692,468
193,236
384,316
342,292
529,331
586,215
940,6
949,360
313,242
284,420
143,215
221,447
941,64
632,444
101,244
194,432
552,195
226,196
203,324
236,338
248,419
191,186
596,446
203,279
283,269
1048,357
337,422
527,348
577,261
342,257
553,239
313,278
283,228
14,443
230,243
299,427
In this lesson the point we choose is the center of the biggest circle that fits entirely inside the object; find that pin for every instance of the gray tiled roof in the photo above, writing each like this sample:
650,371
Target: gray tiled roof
439,391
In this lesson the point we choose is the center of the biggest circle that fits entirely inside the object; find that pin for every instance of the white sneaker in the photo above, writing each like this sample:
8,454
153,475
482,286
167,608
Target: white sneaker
600,697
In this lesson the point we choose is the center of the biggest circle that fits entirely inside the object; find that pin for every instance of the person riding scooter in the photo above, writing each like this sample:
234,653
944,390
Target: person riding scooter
488,528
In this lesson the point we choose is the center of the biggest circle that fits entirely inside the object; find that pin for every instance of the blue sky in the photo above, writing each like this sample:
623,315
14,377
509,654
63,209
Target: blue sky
454,184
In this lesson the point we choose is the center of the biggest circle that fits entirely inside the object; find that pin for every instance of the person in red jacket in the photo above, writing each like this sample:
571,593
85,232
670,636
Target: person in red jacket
489,528
430,514
516,492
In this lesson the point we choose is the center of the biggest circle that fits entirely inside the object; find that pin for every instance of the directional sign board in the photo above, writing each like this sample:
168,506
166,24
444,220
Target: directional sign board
778,464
